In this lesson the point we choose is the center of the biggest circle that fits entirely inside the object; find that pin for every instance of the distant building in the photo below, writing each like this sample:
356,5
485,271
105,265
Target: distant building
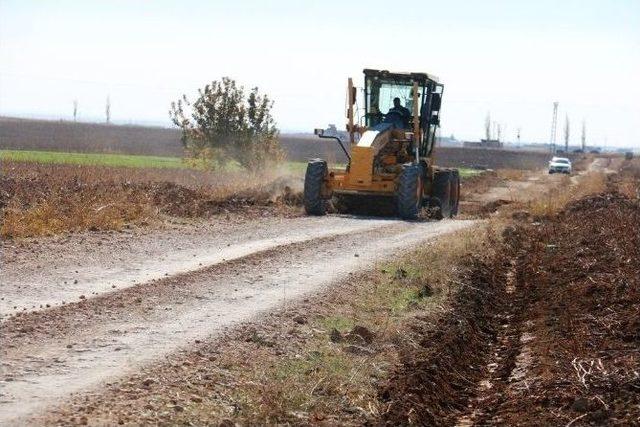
483,143
448,141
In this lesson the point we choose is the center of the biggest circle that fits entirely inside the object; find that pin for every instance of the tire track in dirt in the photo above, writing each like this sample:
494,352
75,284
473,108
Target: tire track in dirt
502,362
49,354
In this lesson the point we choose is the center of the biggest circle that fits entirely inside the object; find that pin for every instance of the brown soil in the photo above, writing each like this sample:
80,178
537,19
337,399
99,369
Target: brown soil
442,360
548,336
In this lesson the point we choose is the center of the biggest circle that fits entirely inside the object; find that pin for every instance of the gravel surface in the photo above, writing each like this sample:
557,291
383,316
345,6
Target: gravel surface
39,273
173,286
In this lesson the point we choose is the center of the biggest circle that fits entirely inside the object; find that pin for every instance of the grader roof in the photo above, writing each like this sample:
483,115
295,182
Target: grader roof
386,74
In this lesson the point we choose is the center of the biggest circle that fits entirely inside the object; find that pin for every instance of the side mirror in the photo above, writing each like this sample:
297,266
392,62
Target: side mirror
436,101
318,132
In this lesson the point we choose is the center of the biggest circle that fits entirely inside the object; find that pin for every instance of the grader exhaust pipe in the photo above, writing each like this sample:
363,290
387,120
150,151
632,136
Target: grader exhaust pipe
320,133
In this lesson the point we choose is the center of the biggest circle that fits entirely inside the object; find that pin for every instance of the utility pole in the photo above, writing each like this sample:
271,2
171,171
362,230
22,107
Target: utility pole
583,138
554,125
567,131
518,136
107,110
75,110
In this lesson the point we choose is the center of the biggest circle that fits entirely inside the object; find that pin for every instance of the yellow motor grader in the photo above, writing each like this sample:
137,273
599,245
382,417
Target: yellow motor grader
391,150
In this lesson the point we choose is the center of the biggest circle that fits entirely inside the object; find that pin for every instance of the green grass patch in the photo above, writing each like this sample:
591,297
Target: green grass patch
468,172
93,159
404,299
121,160
340,323
139,161
323,357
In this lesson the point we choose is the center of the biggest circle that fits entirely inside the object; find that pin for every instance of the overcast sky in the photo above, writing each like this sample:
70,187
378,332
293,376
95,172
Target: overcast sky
512,58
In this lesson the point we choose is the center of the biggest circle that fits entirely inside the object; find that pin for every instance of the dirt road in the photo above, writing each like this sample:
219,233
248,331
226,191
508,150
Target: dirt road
50,271
140,296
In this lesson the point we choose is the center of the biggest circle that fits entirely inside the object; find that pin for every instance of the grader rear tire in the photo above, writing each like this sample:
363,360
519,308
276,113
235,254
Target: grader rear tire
455,193
410,189
314,203
442,183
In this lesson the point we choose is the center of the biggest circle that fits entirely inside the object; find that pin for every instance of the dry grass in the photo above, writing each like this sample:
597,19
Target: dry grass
511,174
325,378
45,199
75,212
627,181
557,197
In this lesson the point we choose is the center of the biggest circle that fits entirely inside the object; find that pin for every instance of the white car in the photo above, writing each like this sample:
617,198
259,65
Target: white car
560,165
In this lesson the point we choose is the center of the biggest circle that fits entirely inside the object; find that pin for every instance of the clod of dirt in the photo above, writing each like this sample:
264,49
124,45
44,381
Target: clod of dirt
521,215
301,320
148,381
425,292
335,336
581,404
509,234
493,206
360,333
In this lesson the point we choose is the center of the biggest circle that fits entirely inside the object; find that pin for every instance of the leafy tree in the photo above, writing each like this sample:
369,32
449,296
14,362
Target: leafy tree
223,124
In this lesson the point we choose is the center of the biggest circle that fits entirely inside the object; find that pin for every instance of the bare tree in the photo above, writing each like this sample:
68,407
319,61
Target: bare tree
107,109
75,110
487,126
583,138
567,132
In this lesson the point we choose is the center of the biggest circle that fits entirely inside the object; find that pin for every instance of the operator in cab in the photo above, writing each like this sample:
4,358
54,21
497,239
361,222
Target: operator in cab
398,115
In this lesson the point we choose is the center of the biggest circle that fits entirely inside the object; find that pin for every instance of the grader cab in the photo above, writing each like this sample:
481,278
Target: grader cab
390,150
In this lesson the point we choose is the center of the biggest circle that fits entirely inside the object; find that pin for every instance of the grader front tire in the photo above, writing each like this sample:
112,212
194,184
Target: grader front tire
410,190
314,203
